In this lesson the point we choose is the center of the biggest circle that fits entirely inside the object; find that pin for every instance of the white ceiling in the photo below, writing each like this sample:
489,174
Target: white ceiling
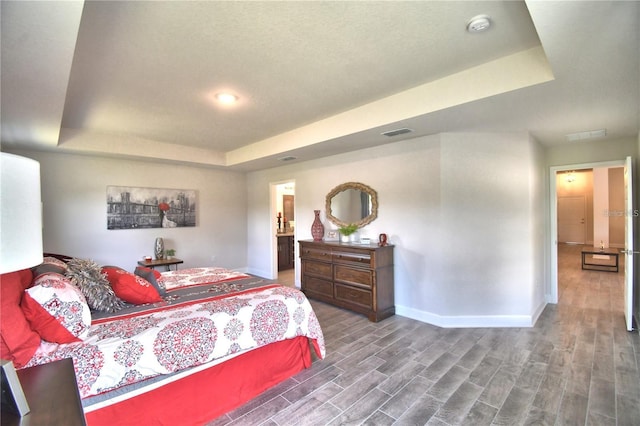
136,79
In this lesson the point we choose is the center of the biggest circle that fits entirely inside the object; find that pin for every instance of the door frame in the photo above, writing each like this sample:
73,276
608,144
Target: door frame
552,290
273,202
629,234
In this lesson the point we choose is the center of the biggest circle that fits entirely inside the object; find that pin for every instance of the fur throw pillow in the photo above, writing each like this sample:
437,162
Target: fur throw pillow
87,275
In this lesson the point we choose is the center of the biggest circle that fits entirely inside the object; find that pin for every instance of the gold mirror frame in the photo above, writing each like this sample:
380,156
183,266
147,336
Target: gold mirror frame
358,187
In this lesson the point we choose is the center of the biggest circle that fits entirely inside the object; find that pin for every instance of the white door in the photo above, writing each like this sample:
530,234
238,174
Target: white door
571,219
628,244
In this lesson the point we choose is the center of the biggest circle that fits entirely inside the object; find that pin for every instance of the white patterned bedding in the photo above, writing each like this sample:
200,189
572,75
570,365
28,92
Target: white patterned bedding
172,280
128,349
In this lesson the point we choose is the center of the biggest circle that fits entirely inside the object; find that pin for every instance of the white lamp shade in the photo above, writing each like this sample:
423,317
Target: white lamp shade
21,210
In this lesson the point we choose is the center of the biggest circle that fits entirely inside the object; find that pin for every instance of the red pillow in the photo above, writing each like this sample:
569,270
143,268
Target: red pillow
131,288
19,342
56,309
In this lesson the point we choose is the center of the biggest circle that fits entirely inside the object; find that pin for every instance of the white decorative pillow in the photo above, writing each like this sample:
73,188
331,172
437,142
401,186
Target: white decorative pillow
56,309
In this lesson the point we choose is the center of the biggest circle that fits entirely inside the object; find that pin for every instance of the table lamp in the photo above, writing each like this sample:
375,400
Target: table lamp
21,213
20,244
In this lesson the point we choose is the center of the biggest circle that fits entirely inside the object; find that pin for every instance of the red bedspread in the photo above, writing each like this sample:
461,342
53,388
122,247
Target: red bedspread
133,348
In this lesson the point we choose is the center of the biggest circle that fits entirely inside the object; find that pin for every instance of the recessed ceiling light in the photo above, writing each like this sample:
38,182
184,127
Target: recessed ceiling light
479,23
226,98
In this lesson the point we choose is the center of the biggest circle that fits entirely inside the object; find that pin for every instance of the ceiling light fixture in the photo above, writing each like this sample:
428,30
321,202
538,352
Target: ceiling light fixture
479,23
591,134
226,98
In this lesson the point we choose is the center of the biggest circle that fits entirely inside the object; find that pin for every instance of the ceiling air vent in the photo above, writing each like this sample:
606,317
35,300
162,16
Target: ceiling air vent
288,158
592,134
397,132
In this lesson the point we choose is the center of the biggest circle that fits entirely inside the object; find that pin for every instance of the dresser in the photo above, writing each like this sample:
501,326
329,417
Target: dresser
352,276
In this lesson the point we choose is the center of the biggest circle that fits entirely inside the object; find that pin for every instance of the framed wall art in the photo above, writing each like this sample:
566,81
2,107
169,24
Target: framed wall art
133,207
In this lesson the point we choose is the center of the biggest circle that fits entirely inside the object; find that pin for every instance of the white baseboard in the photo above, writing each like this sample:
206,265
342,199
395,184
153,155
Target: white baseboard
470,321
538,312
256,272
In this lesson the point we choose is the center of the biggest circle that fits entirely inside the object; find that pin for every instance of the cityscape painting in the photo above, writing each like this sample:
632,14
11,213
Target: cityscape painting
133,208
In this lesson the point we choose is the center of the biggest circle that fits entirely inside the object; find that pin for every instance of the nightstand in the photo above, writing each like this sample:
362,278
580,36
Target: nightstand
52,394
161,262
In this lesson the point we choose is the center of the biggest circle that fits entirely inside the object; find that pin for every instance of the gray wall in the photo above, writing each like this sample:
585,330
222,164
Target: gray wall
75,222
466,213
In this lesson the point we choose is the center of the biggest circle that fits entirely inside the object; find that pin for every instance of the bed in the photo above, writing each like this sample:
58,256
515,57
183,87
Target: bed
210,342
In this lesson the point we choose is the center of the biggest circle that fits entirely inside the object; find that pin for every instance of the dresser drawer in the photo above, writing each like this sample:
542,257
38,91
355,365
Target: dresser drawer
353,258
317,268
354,296
307,253
318,286
346,274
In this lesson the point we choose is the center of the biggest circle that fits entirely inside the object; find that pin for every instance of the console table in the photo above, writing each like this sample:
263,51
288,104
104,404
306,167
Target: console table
358,277
161,262
588,263
52,394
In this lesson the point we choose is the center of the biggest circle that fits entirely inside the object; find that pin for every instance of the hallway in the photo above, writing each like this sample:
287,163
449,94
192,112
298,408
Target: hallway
287,277
588,289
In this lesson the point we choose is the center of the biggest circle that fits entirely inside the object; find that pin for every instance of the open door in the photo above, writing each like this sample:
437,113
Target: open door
628,244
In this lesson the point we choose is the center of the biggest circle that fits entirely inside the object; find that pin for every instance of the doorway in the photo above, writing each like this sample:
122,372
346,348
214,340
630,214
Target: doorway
285,217
566,224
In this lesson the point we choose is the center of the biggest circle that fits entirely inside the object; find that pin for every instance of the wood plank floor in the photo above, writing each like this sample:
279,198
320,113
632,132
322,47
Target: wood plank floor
577,366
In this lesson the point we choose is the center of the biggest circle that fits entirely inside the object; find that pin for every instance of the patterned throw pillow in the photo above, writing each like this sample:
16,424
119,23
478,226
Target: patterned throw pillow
152,276
131,288
87,275
49,264
50,260
56,309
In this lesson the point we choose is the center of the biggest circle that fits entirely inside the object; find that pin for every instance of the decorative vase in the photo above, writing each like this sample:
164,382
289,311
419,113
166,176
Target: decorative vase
159,248
317,228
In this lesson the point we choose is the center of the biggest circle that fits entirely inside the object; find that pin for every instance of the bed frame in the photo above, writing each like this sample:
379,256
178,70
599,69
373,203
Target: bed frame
203,394
208,394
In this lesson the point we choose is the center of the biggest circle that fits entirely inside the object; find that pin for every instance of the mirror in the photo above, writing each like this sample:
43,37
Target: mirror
352,202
